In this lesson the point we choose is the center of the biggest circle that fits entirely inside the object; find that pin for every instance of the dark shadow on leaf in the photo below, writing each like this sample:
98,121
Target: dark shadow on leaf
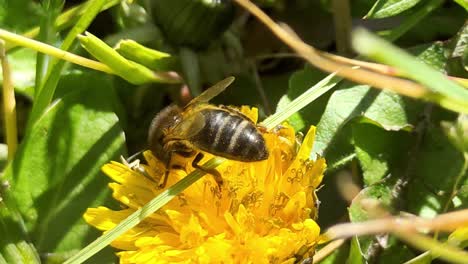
80,186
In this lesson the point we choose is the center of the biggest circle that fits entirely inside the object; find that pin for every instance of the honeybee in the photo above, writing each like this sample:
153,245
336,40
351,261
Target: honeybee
219,130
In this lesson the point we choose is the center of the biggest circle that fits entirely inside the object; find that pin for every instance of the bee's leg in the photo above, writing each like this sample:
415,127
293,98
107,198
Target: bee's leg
183,151
216,175
167,164
166,176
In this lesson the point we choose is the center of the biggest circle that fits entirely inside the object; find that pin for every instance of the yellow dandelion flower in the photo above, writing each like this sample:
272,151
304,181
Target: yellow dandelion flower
263,213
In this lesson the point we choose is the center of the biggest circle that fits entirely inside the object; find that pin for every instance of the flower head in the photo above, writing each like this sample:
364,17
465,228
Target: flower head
263,213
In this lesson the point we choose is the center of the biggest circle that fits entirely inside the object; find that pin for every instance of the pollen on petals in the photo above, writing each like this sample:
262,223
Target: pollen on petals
263,213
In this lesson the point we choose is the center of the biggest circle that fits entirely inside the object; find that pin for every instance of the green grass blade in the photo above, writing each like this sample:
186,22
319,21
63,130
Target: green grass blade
47,90
300,102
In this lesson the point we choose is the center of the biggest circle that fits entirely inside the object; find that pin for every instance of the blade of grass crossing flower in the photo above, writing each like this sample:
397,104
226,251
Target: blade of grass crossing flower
47,90
310,95
141,213
300,102
446,92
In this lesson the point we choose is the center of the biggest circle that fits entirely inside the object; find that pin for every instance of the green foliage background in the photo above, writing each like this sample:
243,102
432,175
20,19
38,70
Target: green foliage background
72,120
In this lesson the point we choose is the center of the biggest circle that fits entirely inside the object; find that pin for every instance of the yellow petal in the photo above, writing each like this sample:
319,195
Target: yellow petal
105,219
131,195
250,112
261,213
124,175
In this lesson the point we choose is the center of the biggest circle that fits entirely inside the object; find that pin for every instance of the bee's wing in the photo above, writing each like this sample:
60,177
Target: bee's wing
190,125
211,92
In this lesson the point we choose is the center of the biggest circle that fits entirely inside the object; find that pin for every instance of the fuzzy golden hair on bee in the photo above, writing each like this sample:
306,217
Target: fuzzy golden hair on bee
220,130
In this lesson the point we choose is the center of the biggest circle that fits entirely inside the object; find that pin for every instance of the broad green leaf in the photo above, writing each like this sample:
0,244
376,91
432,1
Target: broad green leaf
45,89
385,109
23,64
56,175
433,54
360,103
358,213
299,82
458,53
18,14
381,191
395,251
355,253
437,167
391,250
380,152
462,3
303,100
410,21
14,247
388,8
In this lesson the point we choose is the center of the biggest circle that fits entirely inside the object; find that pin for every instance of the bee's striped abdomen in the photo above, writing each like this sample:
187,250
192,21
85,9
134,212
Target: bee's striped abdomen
230,135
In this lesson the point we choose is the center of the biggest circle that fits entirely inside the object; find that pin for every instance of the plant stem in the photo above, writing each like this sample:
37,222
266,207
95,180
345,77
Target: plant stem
53,51
342,22
9,104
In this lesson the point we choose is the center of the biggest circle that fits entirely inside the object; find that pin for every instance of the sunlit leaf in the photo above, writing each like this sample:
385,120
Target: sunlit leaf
299,82
380,152
387,8
385,109
56,173
429,192
23,64
372,247
18,14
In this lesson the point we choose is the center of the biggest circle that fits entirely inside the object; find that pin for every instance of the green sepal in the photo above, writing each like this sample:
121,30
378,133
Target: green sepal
153,59
133,72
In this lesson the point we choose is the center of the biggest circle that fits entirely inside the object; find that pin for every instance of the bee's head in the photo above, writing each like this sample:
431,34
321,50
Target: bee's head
159,128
